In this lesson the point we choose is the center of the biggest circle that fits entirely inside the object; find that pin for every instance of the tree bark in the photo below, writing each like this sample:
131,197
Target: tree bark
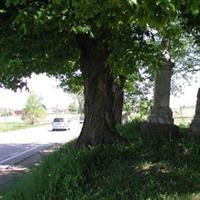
99,122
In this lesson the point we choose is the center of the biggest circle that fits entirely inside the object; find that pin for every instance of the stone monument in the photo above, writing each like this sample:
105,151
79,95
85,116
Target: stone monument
160,121
194,129
160,112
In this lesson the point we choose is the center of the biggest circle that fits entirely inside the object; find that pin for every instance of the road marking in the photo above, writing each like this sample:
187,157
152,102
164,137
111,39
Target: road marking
20,154
14,154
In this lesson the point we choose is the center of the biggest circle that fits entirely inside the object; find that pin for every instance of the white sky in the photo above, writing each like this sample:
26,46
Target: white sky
43,86
187,99
47,89
189,95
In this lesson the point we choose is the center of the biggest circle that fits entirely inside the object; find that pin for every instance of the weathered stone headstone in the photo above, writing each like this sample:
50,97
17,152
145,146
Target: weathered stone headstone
194,129
160,111
160,121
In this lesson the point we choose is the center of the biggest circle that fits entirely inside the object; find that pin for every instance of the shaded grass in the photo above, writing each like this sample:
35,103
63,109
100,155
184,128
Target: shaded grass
130,130
164,170
137,171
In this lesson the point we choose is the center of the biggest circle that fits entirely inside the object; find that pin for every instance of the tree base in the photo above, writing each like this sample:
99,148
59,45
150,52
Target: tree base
158,131
109,139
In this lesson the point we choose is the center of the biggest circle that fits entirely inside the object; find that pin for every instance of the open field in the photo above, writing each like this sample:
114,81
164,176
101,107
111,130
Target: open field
183,114
11,126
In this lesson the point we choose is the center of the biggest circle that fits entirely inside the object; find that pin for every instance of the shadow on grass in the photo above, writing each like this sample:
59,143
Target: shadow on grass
167,171
138,171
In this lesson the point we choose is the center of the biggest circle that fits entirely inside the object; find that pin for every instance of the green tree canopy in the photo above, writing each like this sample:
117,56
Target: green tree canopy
34,110
106,40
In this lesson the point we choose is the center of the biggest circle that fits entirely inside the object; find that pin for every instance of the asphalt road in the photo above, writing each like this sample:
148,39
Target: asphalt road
16,145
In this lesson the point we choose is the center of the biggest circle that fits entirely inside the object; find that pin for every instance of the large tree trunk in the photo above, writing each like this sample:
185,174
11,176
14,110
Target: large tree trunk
99,123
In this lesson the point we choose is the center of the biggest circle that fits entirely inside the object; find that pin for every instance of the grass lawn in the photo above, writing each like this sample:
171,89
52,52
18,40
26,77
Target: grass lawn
11,126
138,171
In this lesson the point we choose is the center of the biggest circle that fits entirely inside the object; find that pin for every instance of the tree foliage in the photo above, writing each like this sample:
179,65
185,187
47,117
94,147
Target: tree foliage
73,107
105,40
41,36
34,110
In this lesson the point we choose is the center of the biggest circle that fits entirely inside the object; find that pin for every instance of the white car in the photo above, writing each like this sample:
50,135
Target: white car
59,124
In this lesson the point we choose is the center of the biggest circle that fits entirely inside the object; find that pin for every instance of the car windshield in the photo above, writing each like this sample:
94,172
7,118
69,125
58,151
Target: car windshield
58,120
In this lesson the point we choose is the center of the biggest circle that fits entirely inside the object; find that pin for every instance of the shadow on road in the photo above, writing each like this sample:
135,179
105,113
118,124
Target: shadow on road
11,173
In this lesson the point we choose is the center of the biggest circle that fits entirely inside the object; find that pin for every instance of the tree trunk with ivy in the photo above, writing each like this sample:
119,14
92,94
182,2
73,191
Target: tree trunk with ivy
99,123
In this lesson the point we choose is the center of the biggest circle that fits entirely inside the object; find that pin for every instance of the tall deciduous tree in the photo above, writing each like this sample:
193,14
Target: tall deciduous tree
104,39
